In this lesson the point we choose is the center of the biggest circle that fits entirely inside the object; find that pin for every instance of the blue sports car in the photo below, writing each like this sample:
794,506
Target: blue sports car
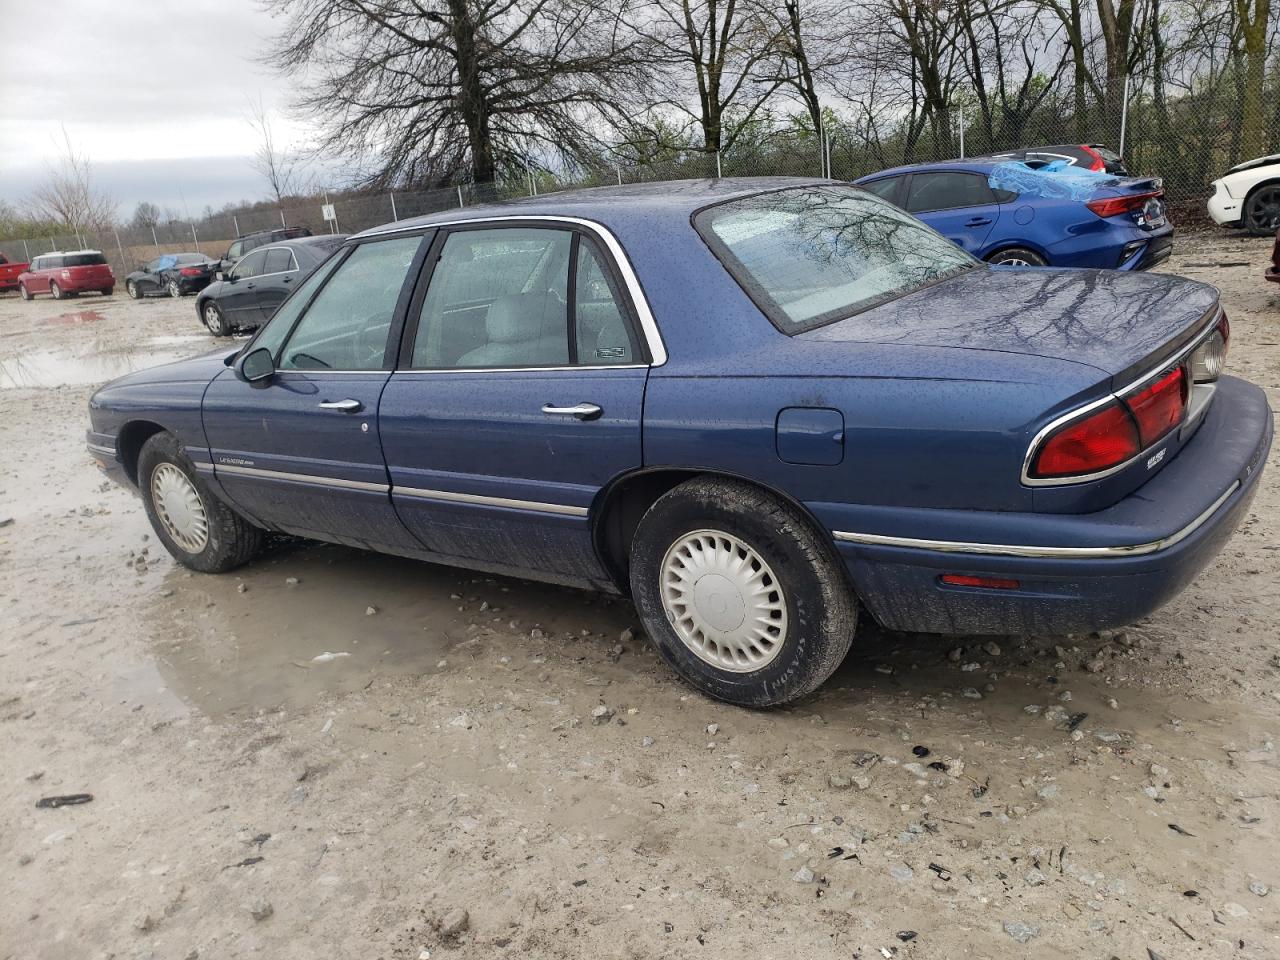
763,408
1006,212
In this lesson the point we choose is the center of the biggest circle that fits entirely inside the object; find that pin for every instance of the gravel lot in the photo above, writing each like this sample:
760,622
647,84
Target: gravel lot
447,787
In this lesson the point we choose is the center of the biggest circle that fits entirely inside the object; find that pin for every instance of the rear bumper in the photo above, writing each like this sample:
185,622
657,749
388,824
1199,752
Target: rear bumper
1076,572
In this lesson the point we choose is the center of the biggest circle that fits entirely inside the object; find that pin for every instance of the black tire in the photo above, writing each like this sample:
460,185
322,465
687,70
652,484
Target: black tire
174,288
1262,210
230,541
214,321
107,291
1018,256
132,290
55,291
24,293
820,607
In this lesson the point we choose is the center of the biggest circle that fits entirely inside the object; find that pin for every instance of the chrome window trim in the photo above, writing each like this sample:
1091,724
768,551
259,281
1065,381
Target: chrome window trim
1057,553
648,326
1080,412
220,468
562,509
565,369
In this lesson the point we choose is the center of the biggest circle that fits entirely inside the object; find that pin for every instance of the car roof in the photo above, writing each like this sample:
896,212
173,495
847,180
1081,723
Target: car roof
65,253
611,206
971,165
290,242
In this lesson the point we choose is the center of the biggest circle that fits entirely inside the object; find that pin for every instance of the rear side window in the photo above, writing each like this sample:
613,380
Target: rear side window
83,260
279,260
946,191
887,187
811,255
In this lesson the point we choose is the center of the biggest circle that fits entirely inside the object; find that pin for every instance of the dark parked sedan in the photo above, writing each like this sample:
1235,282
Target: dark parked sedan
172,274
760,407
245,298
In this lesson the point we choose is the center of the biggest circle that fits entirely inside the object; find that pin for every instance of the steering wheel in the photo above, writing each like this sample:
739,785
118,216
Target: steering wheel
369,345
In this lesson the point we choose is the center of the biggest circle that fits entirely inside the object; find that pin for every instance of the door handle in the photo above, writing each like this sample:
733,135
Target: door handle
977,222
583,411
346,406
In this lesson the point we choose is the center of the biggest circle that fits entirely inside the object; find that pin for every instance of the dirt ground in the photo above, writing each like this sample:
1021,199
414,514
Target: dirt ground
252,797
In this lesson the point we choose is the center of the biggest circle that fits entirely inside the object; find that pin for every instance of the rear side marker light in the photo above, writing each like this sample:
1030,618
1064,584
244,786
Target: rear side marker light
992,583
1159,407
1102,440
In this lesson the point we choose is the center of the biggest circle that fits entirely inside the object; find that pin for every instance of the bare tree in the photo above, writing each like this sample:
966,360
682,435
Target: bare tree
68,196
1254,18
145,216
279,165
713,49
432,91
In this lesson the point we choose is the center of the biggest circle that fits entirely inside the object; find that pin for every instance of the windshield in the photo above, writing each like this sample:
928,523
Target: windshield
811,255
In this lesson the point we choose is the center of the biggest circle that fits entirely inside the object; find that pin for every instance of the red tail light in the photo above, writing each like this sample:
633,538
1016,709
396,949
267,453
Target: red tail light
1114,206
1159,407
1224,328
1098,163
190,271
1101,440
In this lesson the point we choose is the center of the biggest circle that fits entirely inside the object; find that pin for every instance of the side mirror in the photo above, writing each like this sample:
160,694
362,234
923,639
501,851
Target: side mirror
256,366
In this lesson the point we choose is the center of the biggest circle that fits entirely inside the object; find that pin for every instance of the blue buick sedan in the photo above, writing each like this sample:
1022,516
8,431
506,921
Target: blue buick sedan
762,408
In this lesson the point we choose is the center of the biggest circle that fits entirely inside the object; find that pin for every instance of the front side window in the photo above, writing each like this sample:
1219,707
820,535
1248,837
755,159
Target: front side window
947,191
250,266
811,255
346,325
277,329
235,250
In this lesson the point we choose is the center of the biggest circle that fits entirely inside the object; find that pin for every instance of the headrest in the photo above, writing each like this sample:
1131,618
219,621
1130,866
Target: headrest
514,318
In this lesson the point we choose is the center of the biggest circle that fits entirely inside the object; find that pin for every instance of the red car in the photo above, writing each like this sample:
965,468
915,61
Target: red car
9,273
67,274
1273,271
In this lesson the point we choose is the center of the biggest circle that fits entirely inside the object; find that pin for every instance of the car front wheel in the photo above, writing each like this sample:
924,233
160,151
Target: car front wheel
131,288
741,596
196,527
214,320
1262,211
24,293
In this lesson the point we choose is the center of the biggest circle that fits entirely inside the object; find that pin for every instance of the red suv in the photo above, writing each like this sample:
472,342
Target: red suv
66,274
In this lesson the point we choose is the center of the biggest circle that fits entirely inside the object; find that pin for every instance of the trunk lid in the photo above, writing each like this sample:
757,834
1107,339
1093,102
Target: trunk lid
1120,323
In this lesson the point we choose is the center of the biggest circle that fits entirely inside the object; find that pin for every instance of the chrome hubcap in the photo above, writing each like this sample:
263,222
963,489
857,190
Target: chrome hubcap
211,317
174,290
1015,262
723,601
179,507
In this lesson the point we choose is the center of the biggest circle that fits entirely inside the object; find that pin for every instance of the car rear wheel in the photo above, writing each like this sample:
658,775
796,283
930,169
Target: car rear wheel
131,288
107,291
1017,257
1262,211
214,320
24,293
174,289
741,596
55,290
198,529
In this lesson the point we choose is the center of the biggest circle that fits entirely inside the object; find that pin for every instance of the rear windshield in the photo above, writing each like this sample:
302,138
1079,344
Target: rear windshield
83,259
811,255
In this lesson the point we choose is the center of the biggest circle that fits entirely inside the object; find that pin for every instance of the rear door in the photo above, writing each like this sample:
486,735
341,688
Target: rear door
959,205
300,452
274,284
517,399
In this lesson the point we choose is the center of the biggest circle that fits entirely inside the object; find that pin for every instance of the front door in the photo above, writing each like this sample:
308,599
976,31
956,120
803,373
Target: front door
276,282
960,206
517,399
300,452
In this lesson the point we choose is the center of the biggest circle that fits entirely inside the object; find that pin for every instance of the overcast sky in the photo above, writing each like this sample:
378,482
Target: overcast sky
156,94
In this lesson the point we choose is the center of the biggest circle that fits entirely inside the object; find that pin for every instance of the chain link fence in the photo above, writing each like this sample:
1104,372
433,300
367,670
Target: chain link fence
1188,147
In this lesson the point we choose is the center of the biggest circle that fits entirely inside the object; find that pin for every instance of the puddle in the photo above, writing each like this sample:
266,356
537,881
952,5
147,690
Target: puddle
44,369
80,316
227,652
